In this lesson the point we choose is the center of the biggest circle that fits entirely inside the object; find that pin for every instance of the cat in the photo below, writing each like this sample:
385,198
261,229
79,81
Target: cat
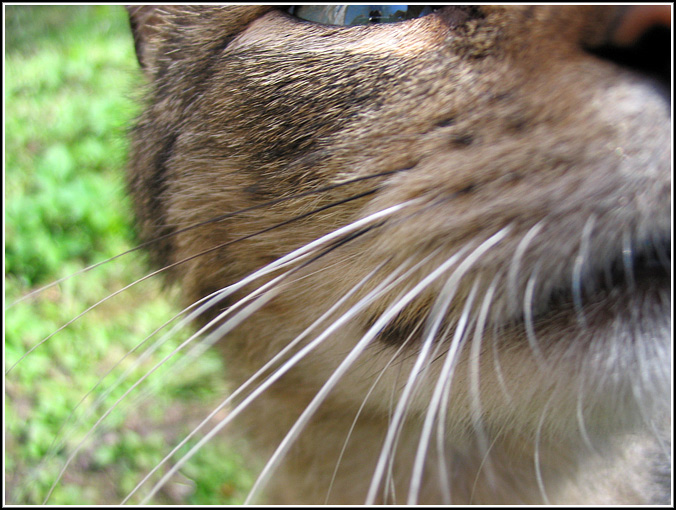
432,244
470,203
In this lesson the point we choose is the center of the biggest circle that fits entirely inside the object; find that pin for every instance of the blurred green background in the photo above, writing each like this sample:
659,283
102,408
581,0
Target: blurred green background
70,82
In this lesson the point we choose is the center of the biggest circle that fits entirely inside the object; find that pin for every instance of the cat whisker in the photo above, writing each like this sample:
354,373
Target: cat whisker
210,221
117,402
495,354
515,264
379,289
462,268
529,325
183,261
484,459
209,301
222,331
376,380
579,405
264,369
433,323
445,377
578,267
474,386
536,451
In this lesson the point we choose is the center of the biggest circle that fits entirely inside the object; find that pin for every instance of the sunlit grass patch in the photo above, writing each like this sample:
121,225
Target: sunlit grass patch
71,83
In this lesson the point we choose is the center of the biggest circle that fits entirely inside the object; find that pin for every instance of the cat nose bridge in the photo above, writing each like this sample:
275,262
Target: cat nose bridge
637,20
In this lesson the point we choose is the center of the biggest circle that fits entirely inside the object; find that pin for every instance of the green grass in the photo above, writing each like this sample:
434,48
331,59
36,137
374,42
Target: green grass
70,74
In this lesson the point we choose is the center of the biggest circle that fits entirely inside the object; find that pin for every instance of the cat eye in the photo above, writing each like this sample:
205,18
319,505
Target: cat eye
350,15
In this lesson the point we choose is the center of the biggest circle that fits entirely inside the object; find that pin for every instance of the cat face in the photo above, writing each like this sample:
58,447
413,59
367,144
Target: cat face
475,199
435,253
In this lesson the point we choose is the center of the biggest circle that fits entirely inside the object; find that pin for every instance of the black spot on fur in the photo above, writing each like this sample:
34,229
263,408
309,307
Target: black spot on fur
449,121
462,140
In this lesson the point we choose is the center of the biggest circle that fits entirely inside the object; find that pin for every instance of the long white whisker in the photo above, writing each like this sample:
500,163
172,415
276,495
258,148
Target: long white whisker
580,414
457,274
430,334
382,321
515,264
297,254
274,360
209,302
64,326
474,372
536,454
382,372
398,417
443,473
217,297
390,485
294,256
529,325
578,266
496,364
484,460
240,316
64,435
433,407
274,377
361,408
